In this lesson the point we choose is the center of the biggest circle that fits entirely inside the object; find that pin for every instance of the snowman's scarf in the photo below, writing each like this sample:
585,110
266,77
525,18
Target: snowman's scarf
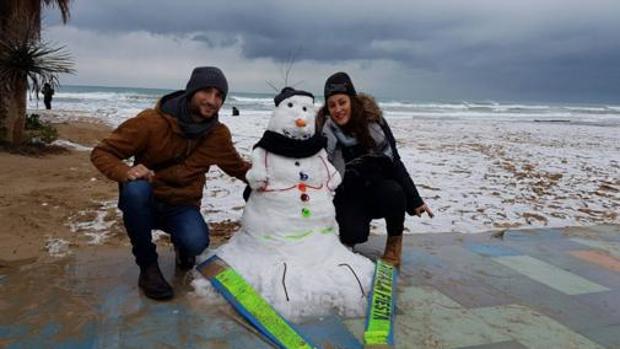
279,144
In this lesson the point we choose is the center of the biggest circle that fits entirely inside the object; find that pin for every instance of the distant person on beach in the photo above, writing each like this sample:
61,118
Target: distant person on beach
48,92
173,146
376,183
235,111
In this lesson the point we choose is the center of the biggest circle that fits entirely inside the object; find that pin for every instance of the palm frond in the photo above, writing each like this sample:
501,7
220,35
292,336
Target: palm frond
37,61
63,6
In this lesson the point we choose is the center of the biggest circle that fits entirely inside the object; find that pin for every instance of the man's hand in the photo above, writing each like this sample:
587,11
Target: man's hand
139,172
421,209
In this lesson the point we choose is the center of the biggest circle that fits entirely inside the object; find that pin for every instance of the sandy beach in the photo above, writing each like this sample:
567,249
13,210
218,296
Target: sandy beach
53,204
46,200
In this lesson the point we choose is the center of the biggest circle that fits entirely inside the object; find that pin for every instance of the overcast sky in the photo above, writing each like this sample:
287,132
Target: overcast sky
507,50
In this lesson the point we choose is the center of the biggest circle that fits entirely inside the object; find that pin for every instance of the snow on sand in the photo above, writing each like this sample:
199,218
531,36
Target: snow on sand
479,175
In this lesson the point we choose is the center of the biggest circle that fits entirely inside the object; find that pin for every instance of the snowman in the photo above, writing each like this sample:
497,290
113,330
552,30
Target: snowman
288,247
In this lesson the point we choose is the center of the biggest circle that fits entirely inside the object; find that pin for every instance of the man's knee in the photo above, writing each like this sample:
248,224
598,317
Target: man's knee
135,194
193,237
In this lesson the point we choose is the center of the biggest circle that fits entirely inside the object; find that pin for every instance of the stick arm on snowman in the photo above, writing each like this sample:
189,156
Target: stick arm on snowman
333,176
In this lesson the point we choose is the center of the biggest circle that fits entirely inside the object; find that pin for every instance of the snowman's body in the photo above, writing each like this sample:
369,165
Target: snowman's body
288,247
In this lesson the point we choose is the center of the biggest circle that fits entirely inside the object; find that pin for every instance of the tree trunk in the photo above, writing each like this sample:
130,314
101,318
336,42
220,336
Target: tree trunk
13,113
20,98
4,113
15,19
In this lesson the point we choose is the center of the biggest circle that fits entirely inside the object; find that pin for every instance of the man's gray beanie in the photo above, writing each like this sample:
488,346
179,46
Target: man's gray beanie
203,77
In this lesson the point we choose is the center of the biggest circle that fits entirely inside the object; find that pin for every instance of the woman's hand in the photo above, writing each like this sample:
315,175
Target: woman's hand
424,208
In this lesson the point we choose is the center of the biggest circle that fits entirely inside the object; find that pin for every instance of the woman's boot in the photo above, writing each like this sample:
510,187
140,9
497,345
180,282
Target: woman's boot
393,250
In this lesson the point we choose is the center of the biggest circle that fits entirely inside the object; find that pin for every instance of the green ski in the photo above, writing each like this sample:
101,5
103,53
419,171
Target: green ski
379,331
251,305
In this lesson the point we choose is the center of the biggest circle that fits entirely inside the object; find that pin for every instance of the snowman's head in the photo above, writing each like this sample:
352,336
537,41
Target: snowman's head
294,114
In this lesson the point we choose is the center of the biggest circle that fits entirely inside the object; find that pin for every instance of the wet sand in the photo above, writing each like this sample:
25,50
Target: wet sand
43,199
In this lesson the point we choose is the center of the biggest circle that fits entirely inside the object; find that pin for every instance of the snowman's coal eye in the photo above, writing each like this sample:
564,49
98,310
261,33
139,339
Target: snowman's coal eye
290,105
305,108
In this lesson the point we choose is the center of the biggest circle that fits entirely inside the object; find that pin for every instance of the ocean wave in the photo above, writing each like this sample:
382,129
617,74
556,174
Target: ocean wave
114,105
257,100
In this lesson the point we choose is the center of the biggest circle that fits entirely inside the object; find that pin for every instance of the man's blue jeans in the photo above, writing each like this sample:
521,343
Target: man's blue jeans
142,213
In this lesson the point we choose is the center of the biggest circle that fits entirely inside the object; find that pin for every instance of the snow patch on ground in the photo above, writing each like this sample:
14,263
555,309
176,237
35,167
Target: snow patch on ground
57,247
97,228
68,144
478,175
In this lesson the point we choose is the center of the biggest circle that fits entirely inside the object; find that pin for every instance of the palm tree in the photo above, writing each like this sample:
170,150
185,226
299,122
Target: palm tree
25,59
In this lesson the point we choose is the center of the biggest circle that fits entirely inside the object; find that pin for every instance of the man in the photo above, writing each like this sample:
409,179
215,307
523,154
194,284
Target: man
173,147
48,92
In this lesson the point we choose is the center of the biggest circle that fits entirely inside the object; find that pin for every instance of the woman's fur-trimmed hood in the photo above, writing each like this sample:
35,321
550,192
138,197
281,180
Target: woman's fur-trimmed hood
370,107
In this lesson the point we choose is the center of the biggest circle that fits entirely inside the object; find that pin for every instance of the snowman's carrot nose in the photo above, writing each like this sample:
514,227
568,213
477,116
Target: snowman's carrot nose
300,122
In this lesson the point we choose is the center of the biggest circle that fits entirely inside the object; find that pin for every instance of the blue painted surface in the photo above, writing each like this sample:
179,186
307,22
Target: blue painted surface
331,330
28,337
415,258
110,312
51,330
493,250
532,234
13,331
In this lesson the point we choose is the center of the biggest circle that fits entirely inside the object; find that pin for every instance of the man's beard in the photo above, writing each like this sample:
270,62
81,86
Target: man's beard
197,114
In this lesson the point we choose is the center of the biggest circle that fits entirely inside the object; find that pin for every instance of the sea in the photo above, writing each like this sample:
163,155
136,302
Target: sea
115,104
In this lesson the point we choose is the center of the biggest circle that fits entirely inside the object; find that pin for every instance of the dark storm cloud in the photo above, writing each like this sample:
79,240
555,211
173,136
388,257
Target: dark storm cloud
553,47
324,31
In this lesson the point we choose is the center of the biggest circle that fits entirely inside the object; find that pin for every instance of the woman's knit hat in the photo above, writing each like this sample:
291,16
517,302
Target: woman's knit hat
339,83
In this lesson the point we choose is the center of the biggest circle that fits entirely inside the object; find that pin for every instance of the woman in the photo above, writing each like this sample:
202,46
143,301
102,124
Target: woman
375,184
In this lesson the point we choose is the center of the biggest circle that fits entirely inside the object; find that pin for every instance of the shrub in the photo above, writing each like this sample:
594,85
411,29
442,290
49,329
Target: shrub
38,132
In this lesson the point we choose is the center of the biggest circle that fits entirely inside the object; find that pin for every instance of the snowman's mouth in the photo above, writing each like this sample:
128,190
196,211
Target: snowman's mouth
295,135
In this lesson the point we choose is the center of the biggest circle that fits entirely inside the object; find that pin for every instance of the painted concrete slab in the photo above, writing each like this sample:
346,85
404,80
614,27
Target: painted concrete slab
567,261
612,247
603,303
471,284
501,345
607,336
532,329
431,318
453,293
598,258
550,275
493,250
532,234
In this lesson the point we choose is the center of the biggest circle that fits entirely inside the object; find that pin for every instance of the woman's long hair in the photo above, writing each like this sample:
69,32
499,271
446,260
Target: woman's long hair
357,125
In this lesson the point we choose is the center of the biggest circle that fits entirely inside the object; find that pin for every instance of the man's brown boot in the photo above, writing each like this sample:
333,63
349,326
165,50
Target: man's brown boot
153,284
393,250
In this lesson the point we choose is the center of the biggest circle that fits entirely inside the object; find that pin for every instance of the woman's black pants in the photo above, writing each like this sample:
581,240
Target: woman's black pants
356,206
